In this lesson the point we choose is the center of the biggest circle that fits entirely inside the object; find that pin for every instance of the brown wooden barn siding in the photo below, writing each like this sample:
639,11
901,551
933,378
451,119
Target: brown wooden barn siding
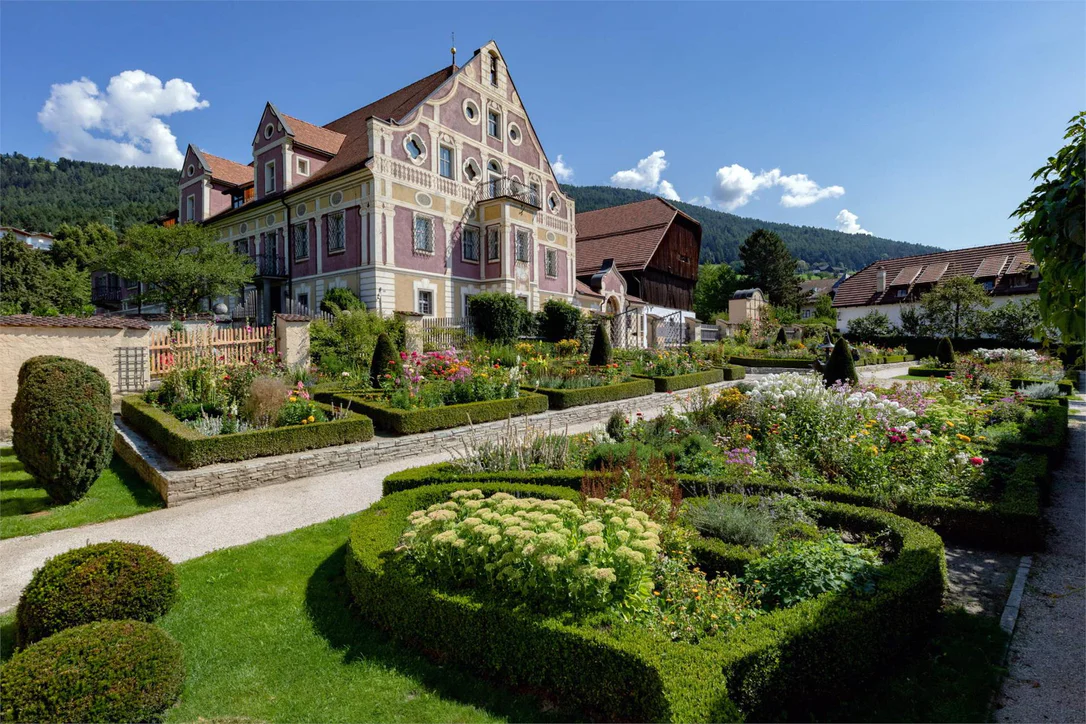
673,271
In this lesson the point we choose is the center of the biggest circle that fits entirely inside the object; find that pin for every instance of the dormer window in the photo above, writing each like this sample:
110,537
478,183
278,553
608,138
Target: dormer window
303,166
237,199
269,177
493,69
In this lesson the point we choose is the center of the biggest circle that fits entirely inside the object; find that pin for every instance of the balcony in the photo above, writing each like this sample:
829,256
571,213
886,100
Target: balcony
104,293
271,266
500,189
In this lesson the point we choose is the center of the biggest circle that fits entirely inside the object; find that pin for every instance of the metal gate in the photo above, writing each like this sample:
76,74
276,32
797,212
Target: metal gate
671,330
624,330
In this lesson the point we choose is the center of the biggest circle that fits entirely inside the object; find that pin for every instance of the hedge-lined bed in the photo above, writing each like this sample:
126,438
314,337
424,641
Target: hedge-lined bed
1013,522
564,399
408,422
784,661
791,363
682,382
733,372
886,359
191,449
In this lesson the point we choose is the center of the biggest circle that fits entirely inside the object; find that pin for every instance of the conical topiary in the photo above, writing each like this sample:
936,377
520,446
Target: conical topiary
601,346
840,367
782,338
945,352
383,354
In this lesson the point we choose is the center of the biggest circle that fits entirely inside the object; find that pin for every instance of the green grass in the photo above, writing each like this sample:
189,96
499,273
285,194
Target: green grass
914,378
269,635
25,508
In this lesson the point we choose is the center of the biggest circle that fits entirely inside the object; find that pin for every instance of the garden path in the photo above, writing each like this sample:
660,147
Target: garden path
1046,679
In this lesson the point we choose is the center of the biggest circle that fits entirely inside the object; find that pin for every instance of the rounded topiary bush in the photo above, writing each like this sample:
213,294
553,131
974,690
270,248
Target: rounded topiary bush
782,338
100,582
30,364
840,367
107,671
62,426
601,345
384,354
340,298
945,352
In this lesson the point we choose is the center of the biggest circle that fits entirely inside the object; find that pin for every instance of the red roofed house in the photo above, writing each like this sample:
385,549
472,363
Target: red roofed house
415,202
1007,271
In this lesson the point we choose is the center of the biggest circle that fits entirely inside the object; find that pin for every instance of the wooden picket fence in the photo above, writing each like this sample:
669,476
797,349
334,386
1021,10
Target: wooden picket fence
227,346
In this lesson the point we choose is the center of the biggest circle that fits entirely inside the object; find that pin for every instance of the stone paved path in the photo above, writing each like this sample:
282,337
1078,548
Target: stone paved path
1046,679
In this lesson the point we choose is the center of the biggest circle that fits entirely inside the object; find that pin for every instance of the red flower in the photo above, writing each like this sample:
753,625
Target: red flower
976,461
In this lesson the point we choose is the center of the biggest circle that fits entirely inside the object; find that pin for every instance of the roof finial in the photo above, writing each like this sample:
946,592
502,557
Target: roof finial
453,49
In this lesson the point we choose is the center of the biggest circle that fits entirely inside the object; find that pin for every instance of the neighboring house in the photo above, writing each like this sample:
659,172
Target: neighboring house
1007,271
812,289
38,240
415,202
652,246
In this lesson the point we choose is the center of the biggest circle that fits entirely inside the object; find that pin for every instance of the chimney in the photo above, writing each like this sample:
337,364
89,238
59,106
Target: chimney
880,280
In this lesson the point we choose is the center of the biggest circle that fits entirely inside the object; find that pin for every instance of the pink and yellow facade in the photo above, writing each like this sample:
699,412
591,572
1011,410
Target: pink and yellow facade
415,202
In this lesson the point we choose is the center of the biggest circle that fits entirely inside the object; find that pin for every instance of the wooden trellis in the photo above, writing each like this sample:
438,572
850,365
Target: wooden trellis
226,345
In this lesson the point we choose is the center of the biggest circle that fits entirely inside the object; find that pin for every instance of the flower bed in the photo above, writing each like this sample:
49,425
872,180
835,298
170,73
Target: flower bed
407,422
192,449
685,381
781,660
562,399
802,363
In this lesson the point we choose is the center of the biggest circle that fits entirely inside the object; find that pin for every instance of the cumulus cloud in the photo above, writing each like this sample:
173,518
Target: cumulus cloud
700,201
562,172
122,125
849,223
737,185
646,177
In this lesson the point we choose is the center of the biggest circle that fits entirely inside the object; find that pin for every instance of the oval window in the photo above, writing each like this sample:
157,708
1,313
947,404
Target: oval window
301,209
337,198
244,228
269,130
192,169
270,220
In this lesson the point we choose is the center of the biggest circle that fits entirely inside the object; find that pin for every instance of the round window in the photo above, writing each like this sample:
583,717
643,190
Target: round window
269,130
270,219
514,133
471,111
337,198
301,209
192,169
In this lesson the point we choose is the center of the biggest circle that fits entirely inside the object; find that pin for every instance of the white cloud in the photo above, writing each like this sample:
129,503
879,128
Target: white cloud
646,177
562,172
849,223
700,201
127,117
736,186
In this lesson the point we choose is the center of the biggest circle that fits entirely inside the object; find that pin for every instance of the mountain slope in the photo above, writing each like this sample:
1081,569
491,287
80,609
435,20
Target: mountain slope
722,233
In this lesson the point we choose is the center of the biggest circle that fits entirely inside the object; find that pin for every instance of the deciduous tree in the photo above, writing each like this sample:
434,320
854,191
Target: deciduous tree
716,285
955,308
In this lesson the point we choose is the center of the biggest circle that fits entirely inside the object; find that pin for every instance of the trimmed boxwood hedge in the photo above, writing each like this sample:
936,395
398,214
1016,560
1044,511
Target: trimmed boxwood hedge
784,661
108,671
682,382
733,372
928,372
799,364
407,422
565,399
191,449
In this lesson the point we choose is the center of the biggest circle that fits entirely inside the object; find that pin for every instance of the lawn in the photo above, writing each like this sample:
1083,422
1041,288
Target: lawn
25,509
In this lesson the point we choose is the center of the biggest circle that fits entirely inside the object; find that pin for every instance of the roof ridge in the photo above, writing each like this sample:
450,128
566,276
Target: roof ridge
446,69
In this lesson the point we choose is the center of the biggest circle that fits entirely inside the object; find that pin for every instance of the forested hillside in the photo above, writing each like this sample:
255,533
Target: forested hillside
722,233
39,195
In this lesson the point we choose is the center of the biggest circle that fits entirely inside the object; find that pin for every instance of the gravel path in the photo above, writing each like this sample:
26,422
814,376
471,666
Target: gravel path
1046,679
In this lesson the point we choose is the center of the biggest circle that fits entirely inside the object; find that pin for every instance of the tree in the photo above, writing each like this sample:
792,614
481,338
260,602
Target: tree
33,285
601,345
824,307
1014,323
840,367
913,323
84,246
955,308
716,285
944,352
871,325
180,265
1052,226
769,266
340,298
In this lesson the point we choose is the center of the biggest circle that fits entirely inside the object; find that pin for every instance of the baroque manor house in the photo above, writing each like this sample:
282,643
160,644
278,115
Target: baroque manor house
414,202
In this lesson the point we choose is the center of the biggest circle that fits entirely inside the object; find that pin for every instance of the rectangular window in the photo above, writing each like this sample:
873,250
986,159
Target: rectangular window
426,302
424,234
269,177
301,241
524,245
494,124
493,244
190,208
493,70
303,300
533,193
552,263
337,234
237,200
241,246
444,162
469,241
303,166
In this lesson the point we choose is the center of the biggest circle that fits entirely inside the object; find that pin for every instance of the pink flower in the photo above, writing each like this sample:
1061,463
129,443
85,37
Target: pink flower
978,461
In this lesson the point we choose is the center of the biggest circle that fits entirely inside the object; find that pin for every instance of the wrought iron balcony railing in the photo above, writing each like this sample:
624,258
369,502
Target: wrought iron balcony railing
271,265
508,188
105,294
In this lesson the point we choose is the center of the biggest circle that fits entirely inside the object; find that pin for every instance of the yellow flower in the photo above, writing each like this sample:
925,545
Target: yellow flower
312,419
981,437
293,399
305,422
949,423
874,449
964,438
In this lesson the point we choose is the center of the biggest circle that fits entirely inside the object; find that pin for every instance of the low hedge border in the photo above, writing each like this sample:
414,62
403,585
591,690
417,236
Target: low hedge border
683,382
408,422
786,660
565,399
928,372
799,364
733,372
886,359
1011,523
191,449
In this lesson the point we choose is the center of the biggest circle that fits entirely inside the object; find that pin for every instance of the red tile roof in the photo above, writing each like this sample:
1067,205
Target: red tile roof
991,266
862,288
586,290
316,137
231,172
29,320
629,234
815,287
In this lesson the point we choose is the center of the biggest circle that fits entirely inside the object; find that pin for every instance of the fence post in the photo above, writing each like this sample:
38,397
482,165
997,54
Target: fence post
292,339
412,322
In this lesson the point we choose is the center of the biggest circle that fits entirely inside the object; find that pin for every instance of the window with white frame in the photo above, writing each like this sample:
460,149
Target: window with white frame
303,166
471,170
269,177
551,265
190,208
425,304
493,244
553,203
415,147
494,124
524,245
300,233
241,246
303,300
424,234
337,233
445,162
469,242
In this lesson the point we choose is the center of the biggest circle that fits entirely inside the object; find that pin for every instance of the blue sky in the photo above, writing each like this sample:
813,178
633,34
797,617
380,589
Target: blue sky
922,120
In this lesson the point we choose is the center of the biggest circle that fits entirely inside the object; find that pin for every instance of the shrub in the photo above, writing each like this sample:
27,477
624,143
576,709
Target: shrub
563,399
1042,390
30,364
840,367
782,338
559,320
739,524
945,352
601,346
62,425
617,427
798,570
495,316
108,671
267,395
384,359
871,325
100,582
340,298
